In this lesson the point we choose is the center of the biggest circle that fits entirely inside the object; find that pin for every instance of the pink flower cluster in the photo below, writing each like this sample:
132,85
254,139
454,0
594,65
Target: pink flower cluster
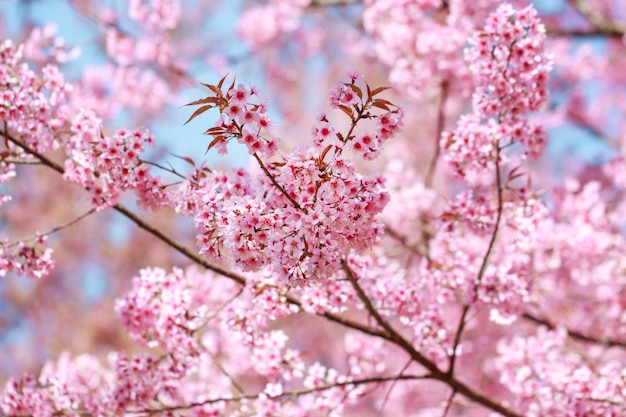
237,348
31,105
155,16
467,225
421,40
107,166
7,171
349,98
31,259
573,385
159,311
510,69
509,62
309,210
580,255
240,119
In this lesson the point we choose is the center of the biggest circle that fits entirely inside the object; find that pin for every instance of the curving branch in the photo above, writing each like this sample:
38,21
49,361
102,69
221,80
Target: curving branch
600,23
388,333
581,337
446,377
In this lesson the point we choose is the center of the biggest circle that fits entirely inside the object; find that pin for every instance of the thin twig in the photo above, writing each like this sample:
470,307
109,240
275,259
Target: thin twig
441,120
599,22
225,372
277,185
449,404
420,250
170,170
437,374
291,394
483,266
392,385
608,342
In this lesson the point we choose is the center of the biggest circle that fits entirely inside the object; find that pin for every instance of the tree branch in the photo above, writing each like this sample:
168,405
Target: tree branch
483,266
441,118
608,342
389,334
447,378
600,23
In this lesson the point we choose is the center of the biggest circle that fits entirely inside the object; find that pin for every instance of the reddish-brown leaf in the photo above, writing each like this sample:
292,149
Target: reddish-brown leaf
219,85
380,105
199,112
347,110
356,90
323,155
379,90
213,143
186,159
214,130
202,101
214,89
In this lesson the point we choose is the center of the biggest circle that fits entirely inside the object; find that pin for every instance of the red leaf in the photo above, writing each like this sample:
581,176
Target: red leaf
347,110
203,101
323,155
219,85
380,105
213,143
356,90
379,90
199,112
186,159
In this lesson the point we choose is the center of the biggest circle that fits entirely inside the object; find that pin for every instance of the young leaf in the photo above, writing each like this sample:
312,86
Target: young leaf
379,90
356,90
186,159
380,105
213,88
213,143
323,154
347,110
219,85
199,112
202,101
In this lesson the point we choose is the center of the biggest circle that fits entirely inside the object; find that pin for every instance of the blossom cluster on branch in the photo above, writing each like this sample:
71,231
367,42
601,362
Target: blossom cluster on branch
336,276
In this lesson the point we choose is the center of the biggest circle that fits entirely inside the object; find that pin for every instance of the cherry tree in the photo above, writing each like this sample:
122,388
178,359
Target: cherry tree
408,236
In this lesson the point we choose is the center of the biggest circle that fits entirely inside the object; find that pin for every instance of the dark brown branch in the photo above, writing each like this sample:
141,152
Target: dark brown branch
277,185
581,33
599,22
389,333
608,342
393,336
290,394
188,253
